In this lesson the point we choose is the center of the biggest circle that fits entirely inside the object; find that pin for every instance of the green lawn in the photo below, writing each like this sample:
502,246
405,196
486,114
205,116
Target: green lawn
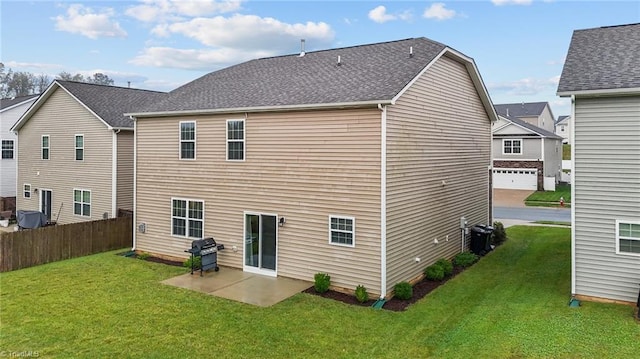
566,151
512,304
550,197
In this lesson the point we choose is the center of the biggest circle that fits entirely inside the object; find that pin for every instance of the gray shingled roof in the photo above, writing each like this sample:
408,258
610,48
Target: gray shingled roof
562,118
603,58
527,125
523,109
111,102
366,73
8,102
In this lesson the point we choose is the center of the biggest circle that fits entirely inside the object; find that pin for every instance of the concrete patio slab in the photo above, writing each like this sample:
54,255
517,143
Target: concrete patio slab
234,284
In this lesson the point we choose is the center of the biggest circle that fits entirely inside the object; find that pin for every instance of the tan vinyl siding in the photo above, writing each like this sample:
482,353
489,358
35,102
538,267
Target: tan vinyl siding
303,166
62,117
531,149
606,181
124,195
438,131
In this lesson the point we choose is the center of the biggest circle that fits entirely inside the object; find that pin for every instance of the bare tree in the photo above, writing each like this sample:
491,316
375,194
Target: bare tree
99,79
68,77
42,82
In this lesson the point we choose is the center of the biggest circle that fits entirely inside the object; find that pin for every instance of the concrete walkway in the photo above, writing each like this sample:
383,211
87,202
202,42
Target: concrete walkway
234,284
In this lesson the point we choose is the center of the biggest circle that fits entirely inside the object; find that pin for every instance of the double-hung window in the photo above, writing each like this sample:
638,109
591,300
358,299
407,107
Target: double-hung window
187,218
342,230
79,147
628,237
26,193
235,140
45,147
82,202
187,140
513,147
7,149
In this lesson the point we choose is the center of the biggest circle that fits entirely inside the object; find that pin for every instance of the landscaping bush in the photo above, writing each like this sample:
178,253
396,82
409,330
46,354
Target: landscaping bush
446,265
197,262
321,282
403,290
499,235
145,256
361,294
465,259
434,272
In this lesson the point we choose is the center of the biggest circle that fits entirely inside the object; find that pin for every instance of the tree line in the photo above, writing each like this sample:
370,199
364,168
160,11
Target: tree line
22,83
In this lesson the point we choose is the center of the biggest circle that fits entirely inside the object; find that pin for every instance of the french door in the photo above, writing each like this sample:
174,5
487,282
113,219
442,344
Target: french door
260,243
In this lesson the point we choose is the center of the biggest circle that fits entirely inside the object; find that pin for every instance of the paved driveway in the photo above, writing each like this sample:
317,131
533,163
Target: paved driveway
510,197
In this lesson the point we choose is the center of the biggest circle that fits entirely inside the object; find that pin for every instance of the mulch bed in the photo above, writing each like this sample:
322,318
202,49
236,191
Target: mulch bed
420,290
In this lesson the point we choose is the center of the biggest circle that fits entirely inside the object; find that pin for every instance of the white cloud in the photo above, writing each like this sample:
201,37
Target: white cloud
32,66
526,86
83,20
439,12
250,32
175,10
194,59
379,15
511,2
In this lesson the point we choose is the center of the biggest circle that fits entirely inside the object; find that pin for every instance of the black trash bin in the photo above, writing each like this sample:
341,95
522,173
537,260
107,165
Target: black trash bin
481,239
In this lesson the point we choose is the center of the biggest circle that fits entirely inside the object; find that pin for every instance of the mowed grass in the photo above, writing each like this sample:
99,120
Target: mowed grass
553,197
512,304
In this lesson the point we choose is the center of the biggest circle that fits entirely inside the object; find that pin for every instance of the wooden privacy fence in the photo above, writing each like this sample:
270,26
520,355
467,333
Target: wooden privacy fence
28,248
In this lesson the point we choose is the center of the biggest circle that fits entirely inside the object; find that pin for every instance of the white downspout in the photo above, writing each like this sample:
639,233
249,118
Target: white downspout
573,196
383,202
114,174
135,179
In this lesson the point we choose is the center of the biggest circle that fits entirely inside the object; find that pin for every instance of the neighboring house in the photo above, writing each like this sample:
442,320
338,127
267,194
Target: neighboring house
602,76
75,151
525,156
358,162
563,128
535,113
10,111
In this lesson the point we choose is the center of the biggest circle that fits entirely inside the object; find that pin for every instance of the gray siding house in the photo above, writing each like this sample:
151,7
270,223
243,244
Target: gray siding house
602,76
358,162
75,151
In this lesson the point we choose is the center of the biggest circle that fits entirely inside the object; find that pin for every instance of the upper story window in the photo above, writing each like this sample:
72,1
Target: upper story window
513,147
342,230
45,147
187,140
628,237
82,202
7,149
79,147
26,193
187,218
235,140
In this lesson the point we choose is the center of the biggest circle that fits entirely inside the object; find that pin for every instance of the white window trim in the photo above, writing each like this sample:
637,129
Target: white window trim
186,228
618,222
76,148
13,149
82,203
244,138
195,141
24,190
353,231
48,148
513,139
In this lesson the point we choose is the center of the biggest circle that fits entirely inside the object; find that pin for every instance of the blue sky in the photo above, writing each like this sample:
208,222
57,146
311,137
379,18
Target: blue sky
518,45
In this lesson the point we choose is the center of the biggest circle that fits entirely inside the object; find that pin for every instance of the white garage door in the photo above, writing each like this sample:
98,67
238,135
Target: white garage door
515,178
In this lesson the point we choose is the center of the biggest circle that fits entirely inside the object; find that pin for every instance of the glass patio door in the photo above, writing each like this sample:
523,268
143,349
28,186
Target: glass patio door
45,202
260,243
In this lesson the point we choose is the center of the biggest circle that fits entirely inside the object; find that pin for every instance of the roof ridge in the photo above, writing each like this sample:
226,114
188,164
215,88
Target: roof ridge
103,85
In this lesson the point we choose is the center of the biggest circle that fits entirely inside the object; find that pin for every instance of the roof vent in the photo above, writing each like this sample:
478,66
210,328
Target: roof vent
507,112
410,51
339,62
301,48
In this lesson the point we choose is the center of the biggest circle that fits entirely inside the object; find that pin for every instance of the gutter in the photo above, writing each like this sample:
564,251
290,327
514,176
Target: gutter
337,105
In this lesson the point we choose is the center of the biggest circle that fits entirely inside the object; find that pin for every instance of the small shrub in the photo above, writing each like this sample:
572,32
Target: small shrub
403,290
321,282
197,262
361,294
446,265
434,272
465,259
143,256
499,235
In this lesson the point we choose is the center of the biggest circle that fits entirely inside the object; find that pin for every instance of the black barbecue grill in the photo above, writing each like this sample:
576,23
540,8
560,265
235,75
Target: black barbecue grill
207,250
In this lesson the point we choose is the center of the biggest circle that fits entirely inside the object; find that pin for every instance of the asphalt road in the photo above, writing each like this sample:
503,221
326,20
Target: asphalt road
533,214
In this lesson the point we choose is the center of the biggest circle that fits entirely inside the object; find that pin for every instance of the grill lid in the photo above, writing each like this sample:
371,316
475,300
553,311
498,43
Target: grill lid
204,243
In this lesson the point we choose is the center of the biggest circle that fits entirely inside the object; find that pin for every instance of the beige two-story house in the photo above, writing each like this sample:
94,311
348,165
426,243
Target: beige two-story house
75,151
361,162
